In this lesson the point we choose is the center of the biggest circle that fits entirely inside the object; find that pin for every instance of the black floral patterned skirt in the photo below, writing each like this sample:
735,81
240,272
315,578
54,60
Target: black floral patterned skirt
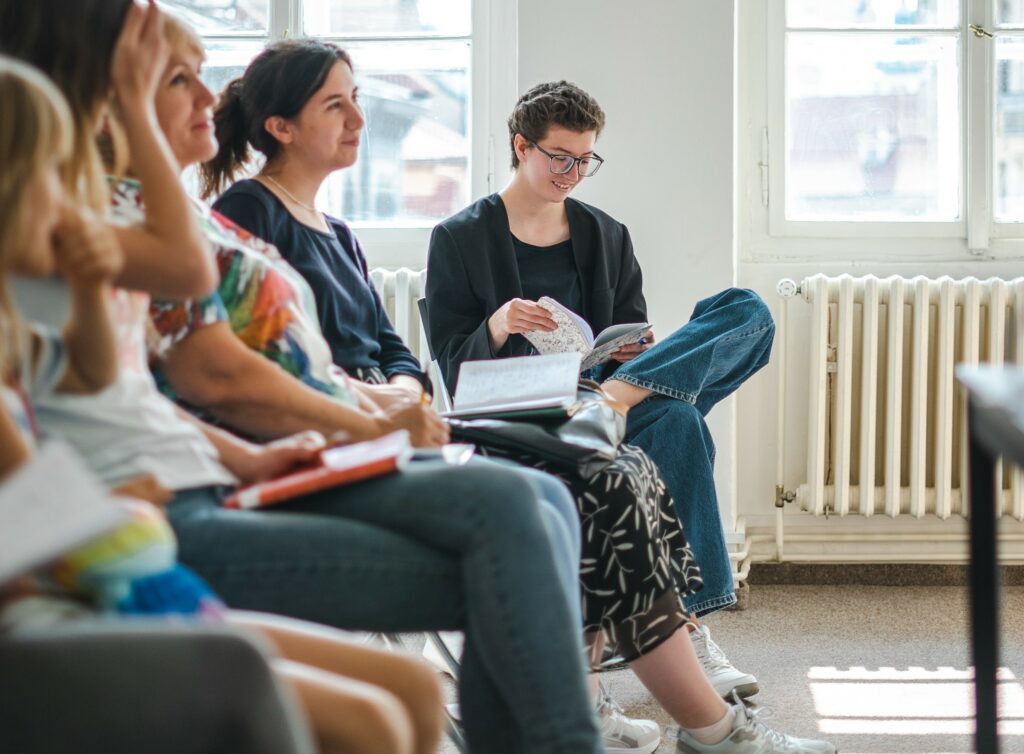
635,564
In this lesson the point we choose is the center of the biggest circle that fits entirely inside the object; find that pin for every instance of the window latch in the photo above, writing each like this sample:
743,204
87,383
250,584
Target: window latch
980,31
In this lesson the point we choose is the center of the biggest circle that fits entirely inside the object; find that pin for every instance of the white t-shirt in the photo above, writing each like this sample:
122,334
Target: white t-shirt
130,428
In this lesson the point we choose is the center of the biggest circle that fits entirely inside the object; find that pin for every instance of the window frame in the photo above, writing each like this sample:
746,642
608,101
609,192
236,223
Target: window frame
766,234
493,89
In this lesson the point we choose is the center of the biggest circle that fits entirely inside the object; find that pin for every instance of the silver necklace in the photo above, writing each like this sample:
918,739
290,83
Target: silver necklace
291,196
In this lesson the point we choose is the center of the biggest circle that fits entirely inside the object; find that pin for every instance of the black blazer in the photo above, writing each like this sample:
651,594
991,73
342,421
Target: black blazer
472,272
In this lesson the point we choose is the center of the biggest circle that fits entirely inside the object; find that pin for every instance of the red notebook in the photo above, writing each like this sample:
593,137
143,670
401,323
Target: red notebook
336,466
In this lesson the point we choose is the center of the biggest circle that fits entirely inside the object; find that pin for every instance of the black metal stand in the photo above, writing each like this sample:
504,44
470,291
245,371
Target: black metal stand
984,584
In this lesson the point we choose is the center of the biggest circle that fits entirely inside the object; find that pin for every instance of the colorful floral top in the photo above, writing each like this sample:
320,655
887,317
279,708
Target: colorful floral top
266,302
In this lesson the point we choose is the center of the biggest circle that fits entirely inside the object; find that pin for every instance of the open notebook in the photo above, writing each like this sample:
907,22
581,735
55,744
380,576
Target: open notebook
48,507
498,387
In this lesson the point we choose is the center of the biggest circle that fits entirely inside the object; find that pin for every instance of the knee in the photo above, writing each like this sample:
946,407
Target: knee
508,504
755,311
385,726
688,425
424,699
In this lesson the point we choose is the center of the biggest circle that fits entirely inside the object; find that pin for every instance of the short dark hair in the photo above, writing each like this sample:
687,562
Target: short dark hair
556,103
279,81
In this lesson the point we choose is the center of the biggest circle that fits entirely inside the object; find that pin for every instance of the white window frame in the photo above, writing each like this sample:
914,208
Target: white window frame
493,91
766,234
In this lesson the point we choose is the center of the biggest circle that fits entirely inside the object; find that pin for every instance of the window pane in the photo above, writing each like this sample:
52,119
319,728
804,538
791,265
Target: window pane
347,18
1010,12
413,167
873,14
227,60
222,17
1008,145
872,127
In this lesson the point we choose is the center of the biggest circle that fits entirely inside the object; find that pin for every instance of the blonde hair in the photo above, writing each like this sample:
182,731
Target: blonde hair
180,35
112,143
36,130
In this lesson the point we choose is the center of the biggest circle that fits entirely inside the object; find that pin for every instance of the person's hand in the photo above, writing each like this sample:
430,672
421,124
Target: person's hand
145,487
518,316
275,458
631,351
384,396
426,429
86,249
139,59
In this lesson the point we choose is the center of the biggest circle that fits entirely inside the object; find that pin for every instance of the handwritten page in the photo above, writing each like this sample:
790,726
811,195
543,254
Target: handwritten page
524,382
48,507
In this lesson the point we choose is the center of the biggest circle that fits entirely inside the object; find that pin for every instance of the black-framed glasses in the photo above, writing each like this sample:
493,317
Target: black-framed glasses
560,164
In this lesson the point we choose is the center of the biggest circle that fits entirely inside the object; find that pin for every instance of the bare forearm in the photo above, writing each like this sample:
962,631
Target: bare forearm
231,449
173,261
90,340
252,395
270,419
407,382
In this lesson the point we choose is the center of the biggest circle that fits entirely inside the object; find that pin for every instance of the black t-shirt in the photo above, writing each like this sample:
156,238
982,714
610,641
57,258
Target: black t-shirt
549,271
352,317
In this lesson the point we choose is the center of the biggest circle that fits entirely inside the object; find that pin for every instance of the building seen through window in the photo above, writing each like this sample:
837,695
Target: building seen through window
412,61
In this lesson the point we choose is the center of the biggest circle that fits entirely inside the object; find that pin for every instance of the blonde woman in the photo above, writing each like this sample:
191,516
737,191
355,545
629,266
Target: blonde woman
43,231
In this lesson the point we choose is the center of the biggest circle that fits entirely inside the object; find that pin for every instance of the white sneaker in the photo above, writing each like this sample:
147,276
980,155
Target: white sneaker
723,676
453,642
751,736
623,735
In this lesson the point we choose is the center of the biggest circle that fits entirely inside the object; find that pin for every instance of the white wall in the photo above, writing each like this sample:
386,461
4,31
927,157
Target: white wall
662,70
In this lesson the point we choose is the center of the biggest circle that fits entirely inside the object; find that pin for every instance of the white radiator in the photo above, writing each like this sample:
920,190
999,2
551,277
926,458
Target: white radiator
400,290
886,419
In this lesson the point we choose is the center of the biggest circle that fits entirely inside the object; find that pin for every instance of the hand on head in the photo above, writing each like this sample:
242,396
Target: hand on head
140,57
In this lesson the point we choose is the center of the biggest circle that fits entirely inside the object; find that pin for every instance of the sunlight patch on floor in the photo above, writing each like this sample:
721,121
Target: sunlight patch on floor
912,701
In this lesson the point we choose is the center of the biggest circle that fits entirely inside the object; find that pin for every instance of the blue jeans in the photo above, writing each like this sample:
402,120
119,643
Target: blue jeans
728,338
483,549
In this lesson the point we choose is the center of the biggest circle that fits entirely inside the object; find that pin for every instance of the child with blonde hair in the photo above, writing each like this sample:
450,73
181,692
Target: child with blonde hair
43,229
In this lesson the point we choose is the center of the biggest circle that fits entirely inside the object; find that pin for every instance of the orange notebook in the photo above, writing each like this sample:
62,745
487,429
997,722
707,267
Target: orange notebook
344,464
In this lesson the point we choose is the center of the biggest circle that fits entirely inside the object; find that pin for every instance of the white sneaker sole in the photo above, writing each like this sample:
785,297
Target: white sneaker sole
648,749
743,690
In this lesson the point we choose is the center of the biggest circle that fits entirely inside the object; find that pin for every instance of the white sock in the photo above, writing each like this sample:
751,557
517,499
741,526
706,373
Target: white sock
716,732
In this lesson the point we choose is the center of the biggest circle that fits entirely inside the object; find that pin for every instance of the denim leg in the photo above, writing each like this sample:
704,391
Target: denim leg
561,517
484,526
676,437
728,338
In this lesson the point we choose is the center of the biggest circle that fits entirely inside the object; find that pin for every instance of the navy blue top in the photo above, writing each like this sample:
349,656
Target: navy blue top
352,316
549,271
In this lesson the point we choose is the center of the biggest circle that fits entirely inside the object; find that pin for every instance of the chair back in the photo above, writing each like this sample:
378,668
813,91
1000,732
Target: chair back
435,370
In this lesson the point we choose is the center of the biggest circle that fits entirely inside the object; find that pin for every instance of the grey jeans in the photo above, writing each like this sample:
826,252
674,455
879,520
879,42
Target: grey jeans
480,548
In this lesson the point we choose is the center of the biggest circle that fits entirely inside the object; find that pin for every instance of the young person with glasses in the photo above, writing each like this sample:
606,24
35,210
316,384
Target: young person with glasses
488,266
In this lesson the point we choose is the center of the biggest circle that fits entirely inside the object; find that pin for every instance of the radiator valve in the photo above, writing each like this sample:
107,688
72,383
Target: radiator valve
786,288
782,497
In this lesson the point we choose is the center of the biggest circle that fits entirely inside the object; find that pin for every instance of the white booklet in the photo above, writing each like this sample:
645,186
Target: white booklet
48,507
523,383
574,334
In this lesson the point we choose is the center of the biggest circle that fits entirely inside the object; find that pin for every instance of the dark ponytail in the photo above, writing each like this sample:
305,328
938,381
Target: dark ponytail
232,142
278,82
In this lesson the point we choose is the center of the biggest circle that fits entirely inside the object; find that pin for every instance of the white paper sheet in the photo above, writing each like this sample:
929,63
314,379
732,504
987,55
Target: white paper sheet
48,507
